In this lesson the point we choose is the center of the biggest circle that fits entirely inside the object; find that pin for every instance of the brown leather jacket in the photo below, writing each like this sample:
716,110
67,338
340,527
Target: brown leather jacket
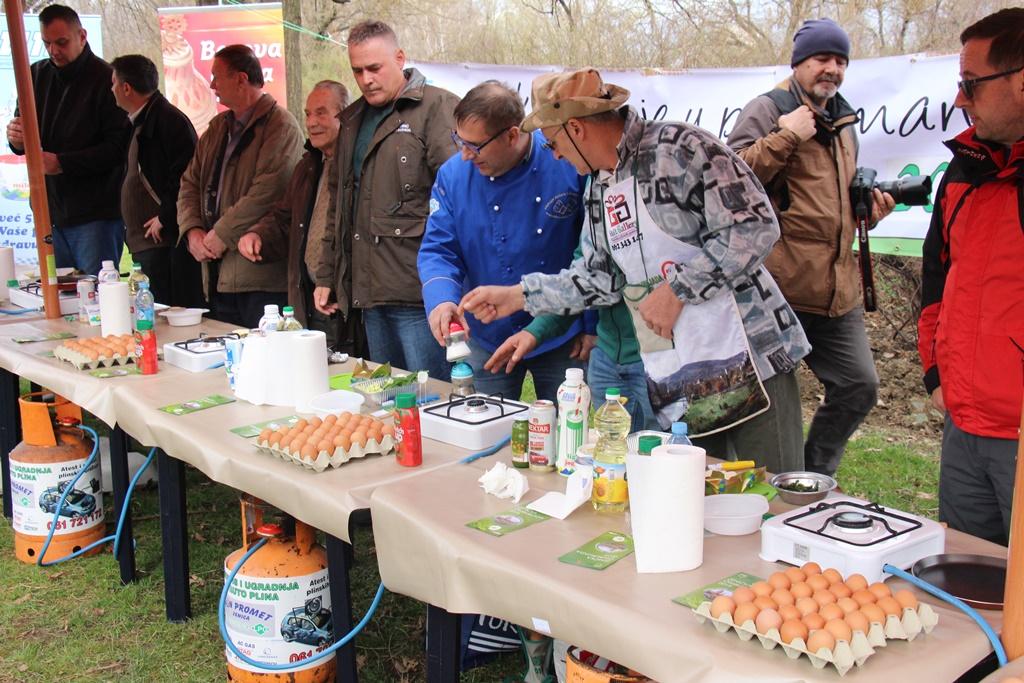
254,178
808,182
374,245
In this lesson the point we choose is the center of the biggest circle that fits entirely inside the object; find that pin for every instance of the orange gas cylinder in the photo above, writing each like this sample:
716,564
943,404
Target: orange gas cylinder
278,610
52,451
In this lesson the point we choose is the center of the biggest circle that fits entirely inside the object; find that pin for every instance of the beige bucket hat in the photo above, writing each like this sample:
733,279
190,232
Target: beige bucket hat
558,97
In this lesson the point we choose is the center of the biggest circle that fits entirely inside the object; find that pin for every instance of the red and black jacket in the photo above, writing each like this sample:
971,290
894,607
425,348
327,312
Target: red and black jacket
971,330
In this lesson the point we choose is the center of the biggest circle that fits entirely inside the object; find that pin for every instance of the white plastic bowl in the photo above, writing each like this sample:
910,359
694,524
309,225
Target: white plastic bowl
182,317
734,514
337,401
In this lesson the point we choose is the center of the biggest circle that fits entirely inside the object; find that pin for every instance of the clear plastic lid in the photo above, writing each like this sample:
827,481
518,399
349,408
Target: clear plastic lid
574,376
270,309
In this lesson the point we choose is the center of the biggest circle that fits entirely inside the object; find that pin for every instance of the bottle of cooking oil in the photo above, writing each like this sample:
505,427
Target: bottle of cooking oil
610,492
288,322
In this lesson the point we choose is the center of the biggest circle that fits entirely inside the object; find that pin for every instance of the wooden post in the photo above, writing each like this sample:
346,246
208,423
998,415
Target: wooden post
291,11
1013,599
34,156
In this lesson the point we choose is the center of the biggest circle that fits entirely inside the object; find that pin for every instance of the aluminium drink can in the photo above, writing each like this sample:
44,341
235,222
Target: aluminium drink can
542,436
521,443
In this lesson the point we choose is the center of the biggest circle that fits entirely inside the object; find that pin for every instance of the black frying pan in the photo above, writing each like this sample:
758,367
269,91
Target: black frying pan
978,580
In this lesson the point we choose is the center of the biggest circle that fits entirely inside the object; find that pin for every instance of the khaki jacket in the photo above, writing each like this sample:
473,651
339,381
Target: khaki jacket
255,177
809,185
369,257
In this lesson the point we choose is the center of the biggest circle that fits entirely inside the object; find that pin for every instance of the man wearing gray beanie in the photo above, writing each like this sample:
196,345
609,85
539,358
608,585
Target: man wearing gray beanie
800,141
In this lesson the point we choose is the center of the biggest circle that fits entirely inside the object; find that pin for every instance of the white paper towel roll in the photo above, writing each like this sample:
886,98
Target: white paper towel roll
666,507
283,369
6,269
115,315
309,367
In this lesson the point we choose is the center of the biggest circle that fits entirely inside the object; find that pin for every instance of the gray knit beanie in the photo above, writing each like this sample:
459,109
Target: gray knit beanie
819,36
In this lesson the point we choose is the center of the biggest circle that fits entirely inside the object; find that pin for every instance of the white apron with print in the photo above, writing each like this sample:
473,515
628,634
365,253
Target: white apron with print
704,375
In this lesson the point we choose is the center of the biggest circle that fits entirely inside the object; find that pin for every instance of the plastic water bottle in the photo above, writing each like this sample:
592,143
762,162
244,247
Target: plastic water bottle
573,398
271,317
136,278
288,323
610,493
680,434
108,273
144,309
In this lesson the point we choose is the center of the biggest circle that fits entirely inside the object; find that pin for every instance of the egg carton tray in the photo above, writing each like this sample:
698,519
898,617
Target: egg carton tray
845,655
325,459
82,362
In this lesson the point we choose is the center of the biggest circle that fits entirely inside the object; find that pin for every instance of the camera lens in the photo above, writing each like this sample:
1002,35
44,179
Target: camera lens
911,190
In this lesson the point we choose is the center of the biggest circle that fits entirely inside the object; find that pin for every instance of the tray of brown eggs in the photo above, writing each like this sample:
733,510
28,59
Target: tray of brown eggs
819,614
90,353
329,442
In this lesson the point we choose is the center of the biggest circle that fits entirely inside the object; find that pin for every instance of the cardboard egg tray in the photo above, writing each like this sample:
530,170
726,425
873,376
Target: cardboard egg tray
845,655
324,459
83,362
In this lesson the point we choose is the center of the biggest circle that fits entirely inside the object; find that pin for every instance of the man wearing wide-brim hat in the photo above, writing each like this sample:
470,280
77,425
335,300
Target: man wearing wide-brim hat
679,229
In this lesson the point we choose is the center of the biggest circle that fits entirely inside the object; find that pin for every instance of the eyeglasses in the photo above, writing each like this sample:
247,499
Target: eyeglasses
476,149
550,144
968,85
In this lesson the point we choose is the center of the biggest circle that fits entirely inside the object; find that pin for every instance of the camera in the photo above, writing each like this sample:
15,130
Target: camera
911,190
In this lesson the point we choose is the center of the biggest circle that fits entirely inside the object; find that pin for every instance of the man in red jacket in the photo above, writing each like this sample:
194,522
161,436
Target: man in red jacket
971,330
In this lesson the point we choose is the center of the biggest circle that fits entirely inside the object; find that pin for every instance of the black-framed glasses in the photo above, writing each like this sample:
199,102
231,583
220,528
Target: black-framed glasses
550,144
968,85
476,149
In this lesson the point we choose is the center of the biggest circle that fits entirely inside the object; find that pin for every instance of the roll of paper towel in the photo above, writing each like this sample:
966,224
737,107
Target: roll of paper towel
115,314
283,369
6,269
666,504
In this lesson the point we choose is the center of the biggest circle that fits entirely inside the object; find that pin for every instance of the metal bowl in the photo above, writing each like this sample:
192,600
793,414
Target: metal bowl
823,482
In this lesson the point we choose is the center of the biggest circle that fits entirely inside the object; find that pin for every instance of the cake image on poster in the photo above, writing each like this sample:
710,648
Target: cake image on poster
185,87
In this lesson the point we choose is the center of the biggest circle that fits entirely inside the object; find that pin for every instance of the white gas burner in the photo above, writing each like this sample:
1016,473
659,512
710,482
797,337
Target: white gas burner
195,355
474,422
30,295
853,536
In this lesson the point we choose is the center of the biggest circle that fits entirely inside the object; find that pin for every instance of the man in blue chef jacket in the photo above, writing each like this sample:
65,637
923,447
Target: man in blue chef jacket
500,208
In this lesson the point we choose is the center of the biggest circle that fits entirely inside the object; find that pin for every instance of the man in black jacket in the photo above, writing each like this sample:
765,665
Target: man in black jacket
84,138
161,146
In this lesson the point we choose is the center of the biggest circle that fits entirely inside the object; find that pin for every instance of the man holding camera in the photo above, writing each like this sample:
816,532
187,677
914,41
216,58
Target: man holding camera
799,140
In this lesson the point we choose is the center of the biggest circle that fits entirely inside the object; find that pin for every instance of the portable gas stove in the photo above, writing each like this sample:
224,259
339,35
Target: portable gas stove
851,535
474,422
30,295
196,355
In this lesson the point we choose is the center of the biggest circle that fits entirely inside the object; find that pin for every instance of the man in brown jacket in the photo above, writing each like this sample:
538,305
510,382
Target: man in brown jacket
799,140
294,230
240,169
393,140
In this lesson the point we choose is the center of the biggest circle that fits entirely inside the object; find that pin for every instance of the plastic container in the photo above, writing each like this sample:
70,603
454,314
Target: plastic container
408,436
288,323
573,400
734,514
271,318
108,273
335,402
145,348
680,434
456,348
135,280
462,380
144,304
611,492
183,317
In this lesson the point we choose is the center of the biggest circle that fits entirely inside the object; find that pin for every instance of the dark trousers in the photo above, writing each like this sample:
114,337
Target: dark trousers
976,483
841,359
343,335
175,277
244,308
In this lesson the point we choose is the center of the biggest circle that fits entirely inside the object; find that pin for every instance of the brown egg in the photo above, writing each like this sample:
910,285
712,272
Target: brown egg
813,621
264,435
864,597
858,622
793,629
743,594
779,580
764,602
856,582
817,582
762,588
832,576
820,640
330,419
766,620
359,438
300,424
830,612
315,421
880,590
848,605
299,441
873,612
388,430
801,590
789,613
840,590
906,599
722,604
889,605
273,440
91,354
284,429
839,629
782,597
823,597
807,606
342,441
811,568
744,613
795,575
334,430
324,446
308,452
285,441
344,416
375,433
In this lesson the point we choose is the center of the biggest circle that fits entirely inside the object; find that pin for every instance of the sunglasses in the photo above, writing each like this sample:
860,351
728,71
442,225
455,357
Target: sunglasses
549,146
476,149
968,85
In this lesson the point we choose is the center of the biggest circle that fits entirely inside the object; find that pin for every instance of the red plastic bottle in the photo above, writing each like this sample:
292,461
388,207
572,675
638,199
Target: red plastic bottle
145,348
408,438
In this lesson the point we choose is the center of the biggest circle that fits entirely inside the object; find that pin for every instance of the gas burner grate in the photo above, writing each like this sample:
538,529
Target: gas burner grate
860,519
476,404
197,344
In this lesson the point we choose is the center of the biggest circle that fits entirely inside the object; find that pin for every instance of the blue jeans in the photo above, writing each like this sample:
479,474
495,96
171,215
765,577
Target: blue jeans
630,379
401,336
87,245
548,370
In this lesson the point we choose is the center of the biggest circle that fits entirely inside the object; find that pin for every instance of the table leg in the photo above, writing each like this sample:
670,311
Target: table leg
120,474
443,644
10,432
174,532
339,562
